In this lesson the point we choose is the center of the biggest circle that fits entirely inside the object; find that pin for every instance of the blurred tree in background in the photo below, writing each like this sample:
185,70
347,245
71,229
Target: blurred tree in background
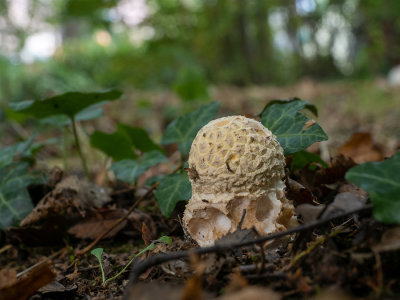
53,46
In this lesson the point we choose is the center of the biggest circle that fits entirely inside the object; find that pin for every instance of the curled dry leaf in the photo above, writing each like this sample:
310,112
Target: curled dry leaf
27,285
70,197
343,202
299,193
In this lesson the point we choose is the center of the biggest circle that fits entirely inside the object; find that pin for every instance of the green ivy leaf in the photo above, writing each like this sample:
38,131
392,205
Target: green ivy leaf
184,129
112,144
138,137
69,104
21,149
129,170
90,113
303,158
15,202
382,182
153,158
286,121
172,189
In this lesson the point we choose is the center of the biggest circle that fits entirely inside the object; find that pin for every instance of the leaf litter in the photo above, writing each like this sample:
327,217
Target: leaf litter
354,254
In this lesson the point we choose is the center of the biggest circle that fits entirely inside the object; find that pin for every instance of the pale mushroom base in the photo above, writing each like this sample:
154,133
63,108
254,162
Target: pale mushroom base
207,222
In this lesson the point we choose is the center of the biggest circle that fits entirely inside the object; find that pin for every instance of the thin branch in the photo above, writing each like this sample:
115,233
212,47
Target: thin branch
140,267
116,223
46,259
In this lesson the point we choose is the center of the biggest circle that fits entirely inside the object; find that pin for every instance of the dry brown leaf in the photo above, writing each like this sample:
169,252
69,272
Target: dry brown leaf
152,291
361,148
146,234
339,166
343,202
70,197
236,283
29,284
390,241
299,193
193,288
8,277
96,223
252,293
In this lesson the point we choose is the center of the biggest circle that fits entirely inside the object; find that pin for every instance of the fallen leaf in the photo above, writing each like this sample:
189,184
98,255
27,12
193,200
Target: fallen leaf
194,285
8,277
299,193
69,197
29,284
56,288
343,202
97,222
361,148
390,241
146,234
152,291
252,293
339,166
236,283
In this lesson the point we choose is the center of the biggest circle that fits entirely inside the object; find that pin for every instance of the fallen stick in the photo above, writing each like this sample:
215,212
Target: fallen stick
140,267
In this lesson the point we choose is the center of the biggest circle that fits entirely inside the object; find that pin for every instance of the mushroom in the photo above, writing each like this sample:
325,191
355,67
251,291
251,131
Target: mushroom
235,164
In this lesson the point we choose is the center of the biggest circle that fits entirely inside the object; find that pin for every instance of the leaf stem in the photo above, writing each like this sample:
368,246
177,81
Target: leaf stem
78,145
149,247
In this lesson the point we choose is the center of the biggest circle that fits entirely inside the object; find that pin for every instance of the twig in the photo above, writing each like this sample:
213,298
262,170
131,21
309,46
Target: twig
5,248
141,266
318,242
79,252
42,262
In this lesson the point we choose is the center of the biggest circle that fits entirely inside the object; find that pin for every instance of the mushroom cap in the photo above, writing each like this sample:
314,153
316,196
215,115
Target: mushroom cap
232,155
235,163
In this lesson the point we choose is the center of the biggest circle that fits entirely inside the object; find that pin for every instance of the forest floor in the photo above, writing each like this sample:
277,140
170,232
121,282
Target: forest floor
347,257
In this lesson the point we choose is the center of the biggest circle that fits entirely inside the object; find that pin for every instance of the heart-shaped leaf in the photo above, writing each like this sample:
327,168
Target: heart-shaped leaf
303,158
172,189
129,170
184,129
382,182
153,158
294,130
15,202
112,144
90,113
138,137
69,104
21,149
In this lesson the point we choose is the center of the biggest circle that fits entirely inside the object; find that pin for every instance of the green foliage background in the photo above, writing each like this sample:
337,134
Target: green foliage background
186,44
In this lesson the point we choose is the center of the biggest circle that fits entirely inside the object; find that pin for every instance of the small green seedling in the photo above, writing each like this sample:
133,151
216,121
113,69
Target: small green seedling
98,252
